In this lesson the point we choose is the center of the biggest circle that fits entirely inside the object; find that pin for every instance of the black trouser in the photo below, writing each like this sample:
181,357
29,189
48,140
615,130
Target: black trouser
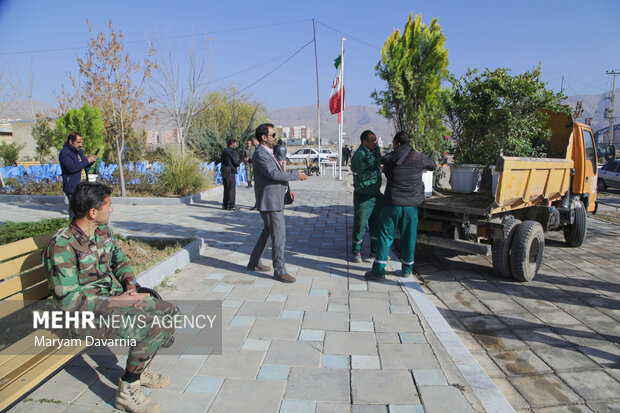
69,200
229,191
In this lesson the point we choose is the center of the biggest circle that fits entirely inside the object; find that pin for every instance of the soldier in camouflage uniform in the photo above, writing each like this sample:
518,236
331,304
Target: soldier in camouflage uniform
248,151
87,271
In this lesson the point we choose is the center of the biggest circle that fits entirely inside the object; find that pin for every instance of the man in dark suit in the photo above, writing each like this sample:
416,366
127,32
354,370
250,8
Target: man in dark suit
270,188
228,169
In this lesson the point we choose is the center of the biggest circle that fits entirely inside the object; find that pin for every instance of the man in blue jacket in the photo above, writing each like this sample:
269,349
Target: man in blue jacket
72,164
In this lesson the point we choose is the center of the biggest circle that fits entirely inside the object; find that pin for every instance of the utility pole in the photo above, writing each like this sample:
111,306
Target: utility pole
611,150
562,87
318,101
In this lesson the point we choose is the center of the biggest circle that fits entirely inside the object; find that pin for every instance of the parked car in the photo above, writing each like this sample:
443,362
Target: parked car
305,153
329,153
609,175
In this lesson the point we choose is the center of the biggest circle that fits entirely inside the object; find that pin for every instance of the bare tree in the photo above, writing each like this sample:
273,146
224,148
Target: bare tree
113,82
179,94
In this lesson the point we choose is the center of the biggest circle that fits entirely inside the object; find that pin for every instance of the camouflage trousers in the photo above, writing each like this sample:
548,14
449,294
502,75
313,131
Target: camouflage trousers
149,326
249,172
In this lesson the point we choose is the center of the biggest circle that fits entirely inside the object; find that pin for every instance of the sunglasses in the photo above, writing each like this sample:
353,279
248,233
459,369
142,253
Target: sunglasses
273,135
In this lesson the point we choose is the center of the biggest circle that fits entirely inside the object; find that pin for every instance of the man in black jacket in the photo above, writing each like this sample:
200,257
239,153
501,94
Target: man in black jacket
403,168
228,169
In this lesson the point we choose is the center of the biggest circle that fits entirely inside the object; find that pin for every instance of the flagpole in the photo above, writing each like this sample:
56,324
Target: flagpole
318,101
341,128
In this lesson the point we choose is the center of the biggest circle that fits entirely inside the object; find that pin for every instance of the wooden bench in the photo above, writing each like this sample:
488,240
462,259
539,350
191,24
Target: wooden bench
23,280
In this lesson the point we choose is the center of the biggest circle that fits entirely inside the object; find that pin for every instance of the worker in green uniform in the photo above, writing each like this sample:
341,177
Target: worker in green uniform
404,191
87,271
367,198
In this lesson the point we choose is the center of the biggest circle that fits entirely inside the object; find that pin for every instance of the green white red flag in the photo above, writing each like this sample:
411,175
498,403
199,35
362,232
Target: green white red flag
336,96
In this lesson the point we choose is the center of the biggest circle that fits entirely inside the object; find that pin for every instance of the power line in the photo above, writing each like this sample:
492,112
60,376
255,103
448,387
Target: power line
254,66
237,29
206,106
350,37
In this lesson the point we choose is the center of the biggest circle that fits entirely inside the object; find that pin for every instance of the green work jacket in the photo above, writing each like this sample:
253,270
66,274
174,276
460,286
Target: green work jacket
366,166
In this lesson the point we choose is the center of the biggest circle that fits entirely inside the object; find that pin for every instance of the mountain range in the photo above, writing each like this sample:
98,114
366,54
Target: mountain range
357,118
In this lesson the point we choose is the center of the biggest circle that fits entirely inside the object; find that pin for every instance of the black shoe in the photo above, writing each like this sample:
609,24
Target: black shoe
249,184
253,208
370,275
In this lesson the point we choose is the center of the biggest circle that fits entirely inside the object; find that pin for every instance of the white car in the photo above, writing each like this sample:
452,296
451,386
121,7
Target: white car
305,153
329,153
609,175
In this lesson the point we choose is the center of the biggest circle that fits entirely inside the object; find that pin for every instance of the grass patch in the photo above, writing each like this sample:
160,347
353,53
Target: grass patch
14,231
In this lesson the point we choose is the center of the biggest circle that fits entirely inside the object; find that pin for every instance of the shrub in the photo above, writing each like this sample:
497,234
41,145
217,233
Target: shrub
10,153
181,174
14,231
29,185
494,111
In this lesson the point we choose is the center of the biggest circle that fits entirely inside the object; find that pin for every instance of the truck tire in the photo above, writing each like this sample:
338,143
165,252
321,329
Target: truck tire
526,253
575,234
500,249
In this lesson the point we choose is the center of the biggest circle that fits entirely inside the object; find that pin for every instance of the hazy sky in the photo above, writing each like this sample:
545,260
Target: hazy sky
248,39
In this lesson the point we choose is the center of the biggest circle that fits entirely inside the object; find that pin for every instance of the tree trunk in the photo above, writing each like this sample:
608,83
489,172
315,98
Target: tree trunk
121,175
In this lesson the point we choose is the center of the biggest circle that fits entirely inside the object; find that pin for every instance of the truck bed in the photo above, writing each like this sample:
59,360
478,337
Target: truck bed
478,203
522,182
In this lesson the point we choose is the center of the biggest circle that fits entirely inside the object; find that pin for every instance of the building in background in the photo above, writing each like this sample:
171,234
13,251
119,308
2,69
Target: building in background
296,135
161,137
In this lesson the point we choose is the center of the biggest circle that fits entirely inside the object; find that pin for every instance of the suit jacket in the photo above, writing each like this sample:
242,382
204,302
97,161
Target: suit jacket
230,162
270,181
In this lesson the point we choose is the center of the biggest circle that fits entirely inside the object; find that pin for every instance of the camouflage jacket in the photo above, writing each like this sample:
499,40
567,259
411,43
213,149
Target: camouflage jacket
83,272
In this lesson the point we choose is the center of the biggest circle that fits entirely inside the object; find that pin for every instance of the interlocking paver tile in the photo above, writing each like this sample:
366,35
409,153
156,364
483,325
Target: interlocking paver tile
318,384
396,386
293,353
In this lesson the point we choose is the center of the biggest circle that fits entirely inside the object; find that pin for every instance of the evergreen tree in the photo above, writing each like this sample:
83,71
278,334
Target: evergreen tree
414,64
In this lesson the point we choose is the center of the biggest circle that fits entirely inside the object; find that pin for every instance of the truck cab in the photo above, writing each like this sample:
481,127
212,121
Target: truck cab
575,141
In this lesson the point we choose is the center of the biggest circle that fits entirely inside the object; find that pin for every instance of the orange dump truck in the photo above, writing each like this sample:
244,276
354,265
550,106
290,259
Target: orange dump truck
533,196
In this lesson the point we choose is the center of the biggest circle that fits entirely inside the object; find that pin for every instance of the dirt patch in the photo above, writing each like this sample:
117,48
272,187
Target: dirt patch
144,254
608,216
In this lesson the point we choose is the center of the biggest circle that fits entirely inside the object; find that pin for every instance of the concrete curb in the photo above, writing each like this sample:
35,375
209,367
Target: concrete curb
58,199
165,268
483,387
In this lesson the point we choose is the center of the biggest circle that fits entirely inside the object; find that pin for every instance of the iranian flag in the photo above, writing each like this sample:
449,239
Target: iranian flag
337,93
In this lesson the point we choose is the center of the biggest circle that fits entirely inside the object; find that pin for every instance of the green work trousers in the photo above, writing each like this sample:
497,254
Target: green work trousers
405,219
367,209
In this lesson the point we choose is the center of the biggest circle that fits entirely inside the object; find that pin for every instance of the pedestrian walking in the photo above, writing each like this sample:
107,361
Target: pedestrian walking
228,169
404,191
272,192
367,197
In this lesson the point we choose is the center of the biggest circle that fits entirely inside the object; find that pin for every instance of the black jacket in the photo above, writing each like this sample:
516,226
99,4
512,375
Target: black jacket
230,162
280,152
403,168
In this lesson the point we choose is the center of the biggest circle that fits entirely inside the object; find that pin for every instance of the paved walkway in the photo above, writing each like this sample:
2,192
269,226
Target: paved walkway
551,344
331,342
